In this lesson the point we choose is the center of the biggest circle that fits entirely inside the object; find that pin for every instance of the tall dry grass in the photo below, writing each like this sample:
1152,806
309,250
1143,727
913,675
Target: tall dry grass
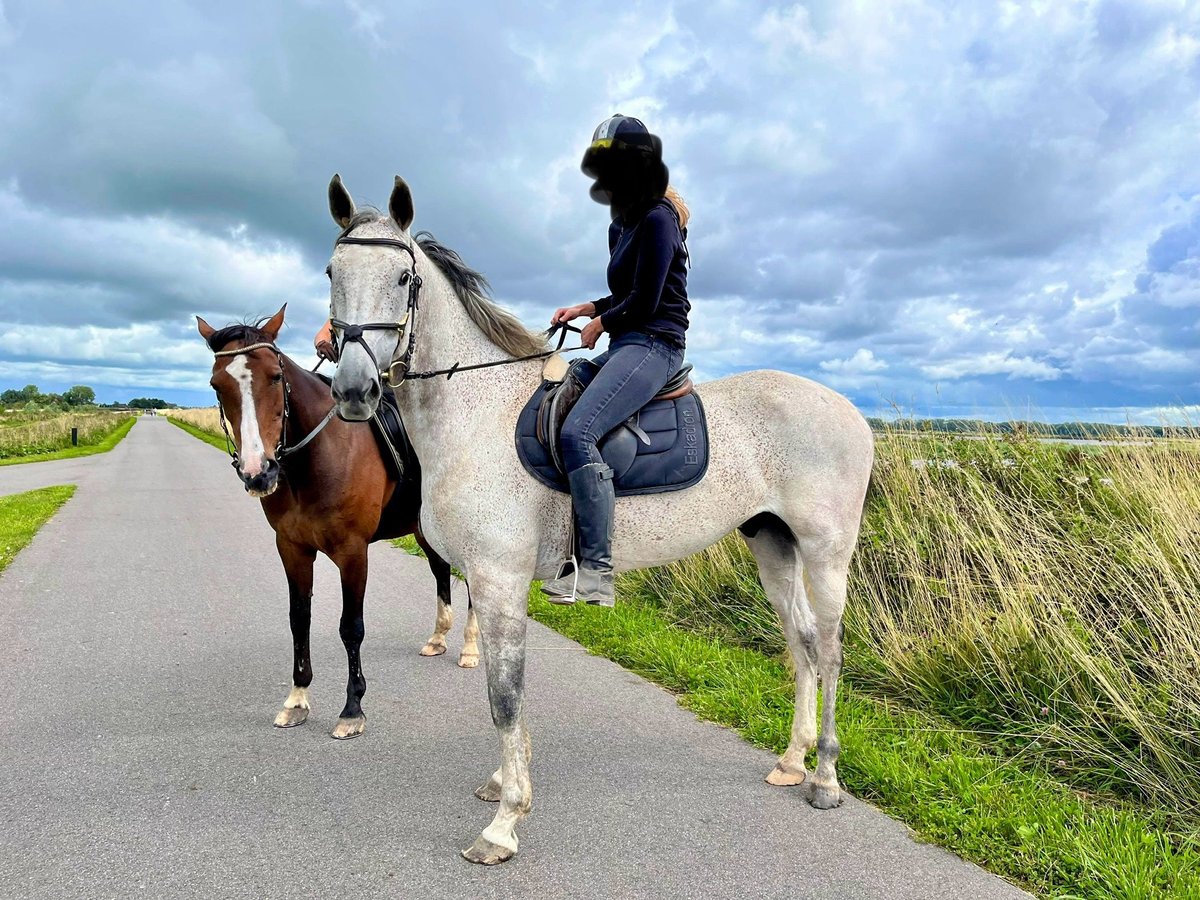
29,434
206,418
1046,595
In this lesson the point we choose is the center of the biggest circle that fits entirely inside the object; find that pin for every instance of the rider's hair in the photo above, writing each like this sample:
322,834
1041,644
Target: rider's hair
681,208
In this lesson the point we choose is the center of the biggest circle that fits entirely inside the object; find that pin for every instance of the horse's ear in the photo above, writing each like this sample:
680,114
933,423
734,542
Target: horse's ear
341,204
274,324
400,205
206,330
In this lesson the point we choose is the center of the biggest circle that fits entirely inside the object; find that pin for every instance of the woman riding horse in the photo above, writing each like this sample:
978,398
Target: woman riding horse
646,317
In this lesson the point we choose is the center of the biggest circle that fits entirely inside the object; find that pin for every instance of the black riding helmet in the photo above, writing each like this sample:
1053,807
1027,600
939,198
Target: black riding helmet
625,160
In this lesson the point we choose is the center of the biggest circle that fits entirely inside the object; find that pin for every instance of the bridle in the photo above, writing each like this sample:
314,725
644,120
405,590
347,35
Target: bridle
353,333
281,451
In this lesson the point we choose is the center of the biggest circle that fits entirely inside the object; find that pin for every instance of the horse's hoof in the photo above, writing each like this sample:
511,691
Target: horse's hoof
290,718
432,649
490,792
348,728
468,660
781,777
825,796
487,853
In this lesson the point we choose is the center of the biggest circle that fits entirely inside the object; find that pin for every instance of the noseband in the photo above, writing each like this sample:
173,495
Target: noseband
353,333
281,451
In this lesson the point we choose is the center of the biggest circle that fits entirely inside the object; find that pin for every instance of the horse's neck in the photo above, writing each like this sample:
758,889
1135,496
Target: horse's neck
446,334
443,415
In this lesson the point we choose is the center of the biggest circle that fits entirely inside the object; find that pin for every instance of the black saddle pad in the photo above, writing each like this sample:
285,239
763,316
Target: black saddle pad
392,438
676,457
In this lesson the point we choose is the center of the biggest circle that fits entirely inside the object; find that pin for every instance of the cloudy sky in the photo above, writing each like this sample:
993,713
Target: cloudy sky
958,208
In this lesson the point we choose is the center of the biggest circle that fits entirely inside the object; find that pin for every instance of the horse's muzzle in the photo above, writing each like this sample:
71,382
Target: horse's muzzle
265,482
357,404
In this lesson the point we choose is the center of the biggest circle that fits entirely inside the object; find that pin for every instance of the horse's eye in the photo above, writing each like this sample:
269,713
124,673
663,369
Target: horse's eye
404,278
275,379
329,271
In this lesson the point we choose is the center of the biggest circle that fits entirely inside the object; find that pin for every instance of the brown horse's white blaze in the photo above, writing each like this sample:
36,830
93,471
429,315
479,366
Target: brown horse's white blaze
790,462
252,453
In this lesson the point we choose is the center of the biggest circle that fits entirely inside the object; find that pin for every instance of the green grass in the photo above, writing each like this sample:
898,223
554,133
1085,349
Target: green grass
218,442
953,787
21,515
103,446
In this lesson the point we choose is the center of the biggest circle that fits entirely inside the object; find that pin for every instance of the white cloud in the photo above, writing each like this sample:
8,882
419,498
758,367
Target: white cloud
863,362
997,363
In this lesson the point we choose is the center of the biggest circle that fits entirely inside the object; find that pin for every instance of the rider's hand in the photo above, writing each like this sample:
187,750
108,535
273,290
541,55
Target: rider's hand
325,351
591,333
567,313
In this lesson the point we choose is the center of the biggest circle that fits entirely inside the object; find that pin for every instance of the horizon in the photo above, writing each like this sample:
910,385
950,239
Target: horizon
993,214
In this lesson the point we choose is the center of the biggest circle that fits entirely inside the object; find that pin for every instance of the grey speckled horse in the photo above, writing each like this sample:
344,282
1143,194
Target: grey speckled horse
790,461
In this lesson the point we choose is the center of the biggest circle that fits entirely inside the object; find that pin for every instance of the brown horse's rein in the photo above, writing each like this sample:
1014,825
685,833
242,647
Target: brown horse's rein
281,452
353,334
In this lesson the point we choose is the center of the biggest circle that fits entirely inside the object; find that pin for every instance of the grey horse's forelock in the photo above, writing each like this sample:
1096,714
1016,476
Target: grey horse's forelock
499,325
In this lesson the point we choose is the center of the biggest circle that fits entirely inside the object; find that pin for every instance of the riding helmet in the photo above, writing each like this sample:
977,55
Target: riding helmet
625,159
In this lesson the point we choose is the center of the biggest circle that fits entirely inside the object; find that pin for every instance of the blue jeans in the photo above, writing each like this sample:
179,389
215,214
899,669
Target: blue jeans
633,369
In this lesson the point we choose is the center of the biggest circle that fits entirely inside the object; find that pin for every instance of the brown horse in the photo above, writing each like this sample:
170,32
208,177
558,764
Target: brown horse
325,488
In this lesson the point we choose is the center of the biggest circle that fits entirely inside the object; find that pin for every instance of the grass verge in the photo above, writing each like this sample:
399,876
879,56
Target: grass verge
21,515
218,442
103,446
948,785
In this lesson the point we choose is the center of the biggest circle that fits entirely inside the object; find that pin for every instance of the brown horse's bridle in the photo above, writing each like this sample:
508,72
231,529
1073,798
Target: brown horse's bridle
353,334
281,451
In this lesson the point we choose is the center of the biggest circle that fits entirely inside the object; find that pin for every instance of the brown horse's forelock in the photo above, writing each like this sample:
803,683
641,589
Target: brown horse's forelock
246,332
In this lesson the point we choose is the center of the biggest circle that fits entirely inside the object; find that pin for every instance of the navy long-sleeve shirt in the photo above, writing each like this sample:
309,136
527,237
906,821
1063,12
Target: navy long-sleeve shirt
647,276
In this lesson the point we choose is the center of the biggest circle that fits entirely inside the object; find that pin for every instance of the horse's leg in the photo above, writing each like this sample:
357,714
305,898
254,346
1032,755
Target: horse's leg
502,623
298,564
436,645
827,564
469,658
781,573
353,566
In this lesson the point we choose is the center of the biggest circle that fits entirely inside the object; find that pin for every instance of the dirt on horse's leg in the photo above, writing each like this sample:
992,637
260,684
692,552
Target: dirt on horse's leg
501,605
298,565
353,565
436,645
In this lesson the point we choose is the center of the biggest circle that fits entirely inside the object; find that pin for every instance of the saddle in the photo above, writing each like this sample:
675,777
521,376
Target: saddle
664,447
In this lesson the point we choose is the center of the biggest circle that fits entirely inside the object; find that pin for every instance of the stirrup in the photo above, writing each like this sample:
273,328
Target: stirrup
564,599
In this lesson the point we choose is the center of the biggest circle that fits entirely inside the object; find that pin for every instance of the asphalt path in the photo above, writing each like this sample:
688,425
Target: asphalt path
144,651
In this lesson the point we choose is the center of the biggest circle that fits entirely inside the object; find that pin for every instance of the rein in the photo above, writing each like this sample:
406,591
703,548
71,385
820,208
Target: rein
281,451
353,333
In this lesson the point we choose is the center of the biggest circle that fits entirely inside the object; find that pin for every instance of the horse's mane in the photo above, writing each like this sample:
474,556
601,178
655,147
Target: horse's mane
246,332
499,325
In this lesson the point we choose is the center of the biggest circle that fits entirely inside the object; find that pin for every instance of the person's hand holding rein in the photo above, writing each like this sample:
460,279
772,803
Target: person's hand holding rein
568,313
591,333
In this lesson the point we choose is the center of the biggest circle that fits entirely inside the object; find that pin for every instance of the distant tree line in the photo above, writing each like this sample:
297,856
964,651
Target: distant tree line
1076,430
30,397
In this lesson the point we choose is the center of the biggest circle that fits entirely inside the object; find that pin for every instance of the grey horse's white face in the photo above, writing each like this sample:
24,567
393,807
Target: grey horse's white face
368,284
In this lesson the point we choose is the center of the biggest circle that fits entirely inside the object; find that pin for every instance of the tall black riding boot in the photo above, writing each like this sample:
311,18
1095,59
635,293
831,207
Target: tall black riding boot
593,500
